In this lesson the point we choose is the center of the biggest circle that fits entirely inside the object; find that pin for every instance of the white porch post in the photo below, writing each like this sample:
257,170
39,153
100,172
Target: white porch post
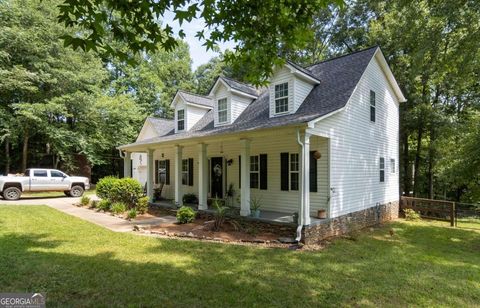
150,173
127,165
306,179
244,170
202,176
178,175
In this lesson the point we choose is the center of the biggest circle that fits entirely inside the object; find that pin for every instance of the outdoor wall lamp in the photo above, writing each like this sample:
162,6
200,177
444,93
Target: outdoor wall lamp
230,162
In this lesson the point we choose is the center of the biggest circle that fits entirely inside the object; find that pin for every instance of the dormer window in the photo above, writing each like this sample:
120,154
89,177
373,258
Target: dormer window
180,119
222,110
281,98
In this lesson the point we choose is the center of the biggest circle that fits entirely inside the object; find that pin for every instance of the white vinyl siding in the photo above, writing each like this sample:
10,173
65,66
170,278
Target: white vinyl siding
194,114
356,145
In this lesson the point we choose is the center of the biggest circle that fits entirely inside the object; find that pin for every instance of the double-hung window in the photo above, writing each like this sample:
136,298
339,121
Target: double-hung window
281,98
185,172
392,165
162,171
180,119
222,110
382,169
372,106
294,169
254,171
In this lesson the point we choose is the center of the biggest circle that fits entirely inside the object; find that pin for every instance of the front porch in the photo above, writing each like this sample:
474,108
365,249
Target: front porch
275,169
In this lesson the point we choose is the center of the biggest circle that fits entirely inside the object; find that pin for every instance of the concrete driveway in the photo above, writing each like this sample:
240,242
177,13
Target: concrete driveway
67,205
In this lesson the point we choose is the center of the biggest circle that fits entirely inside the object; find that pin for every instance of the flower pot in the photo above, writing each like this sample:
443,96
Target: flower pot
256,213
322,214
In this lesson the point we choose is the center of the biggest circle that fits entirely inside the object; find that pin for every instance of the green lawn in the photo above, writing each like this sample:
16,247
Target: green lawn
80,264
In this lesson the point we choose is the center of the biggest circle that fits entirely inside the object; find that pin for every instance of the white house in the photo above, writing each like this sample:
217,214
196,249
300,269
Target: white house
320,137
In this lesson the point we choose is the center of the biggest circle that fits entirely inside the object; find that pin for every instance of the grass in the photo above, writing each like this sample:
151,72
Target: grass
53,194
80,264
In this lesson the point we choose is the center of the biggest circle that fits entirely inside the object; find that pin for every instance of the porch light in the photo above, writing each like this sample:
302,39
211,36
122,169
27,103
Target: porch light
230,162
317,155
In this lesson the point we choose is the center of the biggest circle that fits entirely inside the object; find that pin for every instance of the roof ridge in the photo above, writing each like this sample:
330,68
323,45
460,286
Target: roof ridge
342,56
157,118
195,94
241,82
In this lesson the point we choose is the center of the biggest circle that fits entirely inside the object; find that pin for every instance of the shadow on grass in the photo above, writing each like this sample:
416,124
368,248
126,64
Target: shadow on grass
419,265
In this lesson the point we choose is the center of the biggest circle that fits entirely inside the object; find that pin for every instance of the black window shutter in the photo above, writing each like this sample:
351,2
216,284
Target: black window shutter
167,172
263,172
156,171
190,172
284,171
239,171
313,173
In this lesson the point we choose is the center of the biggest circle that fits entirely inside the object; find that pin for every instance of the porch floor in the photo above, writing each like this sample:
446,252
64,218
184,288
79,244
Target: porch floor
266,216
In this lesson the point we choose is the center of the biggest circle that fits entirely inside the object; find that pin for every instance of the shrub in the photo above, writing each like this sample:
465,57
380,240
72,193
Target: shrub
105,187
132,213
85,201
118,208
185,215
127,191
94,204
190,199
411,215
142,205
104,205
219,216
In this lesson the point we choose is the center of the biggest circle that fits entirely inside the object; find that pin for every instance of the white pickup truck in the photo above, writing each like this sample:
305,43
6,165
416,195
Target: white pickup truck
36,180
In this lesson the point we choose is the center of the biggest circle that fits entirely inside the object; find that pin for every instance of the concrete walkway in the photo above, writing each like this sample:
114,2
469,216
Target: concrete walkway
67,206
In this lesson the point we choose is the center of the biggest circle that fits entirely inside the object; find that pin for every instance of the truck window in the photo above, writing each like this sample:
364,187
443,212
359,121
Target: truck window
40,173
56,174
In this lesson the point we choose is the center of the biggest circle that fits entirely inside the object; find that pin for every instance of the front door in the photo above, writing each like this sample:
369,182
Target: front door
216,175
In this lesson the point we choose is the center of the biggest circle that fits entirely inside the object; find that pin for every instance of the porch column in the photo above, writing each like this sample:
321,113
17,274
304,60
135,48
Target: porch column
150,173
202,176
127,165
306,178
245,176
178,175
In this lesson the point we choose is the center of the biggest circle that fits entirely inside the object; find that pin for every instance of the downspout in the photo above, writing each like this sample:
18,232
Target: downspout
120,152
300,214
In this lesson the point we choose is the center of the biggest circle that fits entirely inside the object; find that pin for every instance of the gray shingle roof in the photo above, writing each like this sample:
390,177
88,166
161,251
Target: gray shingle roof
162,126
196,99
338,79
242,87
303,70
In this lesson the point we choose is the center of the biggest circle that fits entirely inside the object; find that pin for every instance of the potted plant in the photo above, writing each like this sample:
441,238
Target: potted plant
322,214
255,206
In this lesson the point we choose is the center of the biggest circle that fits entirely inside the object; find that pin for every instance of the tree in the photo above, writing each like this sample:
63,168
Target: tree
263,30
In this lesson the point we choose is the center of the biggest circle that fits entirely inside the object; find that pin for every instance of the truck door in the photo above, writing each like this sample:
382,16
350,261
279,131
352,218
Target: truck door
59,181
39,180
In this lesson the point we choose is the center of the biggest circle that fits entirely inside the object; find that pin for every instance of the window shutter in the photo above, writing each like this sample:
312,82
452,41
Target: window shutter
284,171
239,171
313,173
156,171
263,172
167,172
190,172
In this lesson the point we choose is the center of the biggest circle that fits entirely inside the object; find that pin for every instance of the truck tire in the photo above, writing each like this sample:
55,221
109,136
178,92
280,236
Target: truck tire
76,191
12,193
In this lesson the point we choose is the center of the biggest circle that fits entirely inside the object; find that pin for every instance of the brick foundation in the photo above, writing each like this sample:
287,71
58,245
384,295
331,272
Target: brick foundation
354,221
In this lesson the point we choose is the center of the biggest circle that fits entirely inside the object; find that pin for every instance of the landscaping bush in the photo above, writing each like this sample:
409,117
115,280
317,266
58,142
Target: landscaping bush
118,208
132,213
85,201
190,199
185,215
142,205
127,191
94,204
105,187
411,215
104,205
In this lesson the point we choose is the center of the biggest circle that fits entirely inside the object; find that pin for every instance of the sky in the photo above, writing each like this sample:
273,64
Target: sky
199,53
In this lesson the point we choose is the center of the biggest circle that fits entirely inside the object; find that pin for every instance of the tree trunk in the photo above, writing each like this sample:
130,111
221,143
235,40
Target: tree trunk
431,157
407,179
7,155
417,159
25,150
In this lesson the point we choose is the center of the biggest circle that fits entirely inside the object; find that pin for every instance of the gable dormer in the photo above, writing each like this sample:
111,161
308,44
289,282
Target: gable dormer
189,109
230,98
289,86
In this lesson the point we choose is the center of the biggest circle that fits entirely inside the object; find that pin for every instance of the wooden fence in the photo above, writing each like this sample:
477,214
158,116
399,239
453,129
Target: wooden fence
432,209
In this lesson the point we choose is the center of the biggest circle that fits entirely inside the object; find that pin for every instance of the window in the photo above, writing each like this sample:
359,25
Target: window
382,169
180,119
185,171
392,165
281,98
372,106
56,174
40,173
222,110
254,170
162,171
294,168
